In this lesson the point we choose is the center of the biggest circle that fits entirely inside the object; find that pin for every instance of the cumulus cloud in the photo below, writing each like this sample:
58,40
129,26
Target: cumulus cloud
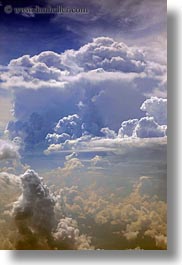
8,150
67,128
68,236
35,206
148,128
145,127
127,128
136,217
73,90
108,133
34,214
157,108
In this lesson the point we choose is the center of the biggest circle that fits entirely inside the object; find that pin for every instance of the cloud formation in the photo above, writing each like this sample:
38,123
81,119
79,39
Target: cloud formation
148,128
35,206
157,108
68,236
34,214
74,89
8,150
133,218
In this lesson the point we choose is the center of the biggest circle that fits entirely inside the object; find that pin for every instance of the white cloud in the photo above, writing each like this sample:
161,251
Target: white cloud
147,128
127,128
89,144
8,150
50,69
108,133
98,86
157,108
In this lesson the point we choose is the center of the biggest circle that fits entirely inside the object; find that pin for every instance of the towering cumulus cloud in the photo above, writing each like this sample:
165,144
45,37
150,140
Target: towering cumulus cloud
74,89
34,215
34,210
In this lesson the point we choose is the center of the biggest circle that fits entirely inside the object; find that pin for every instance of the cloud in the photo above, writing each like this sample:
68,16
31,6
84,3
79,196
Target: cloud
145,127
108,133
127,128
131,235
74,89
8,150
72,155
34,214
157,108
71,165
148,128
8,178
34,210
89,144
137,217
110,17
161,241
68,236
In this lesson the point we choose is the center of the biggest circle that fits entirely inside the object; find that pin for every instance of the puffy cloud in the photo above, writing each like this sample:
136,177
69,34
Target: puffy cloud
148,128
35,206
35,217
68,236
157,108
145,127
73,163
127,128
70,125
54,138
108,133
135,217
67,128
73,90
104,53
8,150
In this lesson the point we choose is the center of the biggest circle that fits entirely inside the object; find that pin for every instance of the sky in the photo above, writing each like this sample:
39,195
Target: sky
83,104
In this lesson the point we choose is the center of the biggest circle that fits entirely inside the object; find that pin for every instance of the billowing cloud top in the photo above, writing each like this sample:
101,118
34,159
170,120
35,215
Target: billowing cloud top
60,97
